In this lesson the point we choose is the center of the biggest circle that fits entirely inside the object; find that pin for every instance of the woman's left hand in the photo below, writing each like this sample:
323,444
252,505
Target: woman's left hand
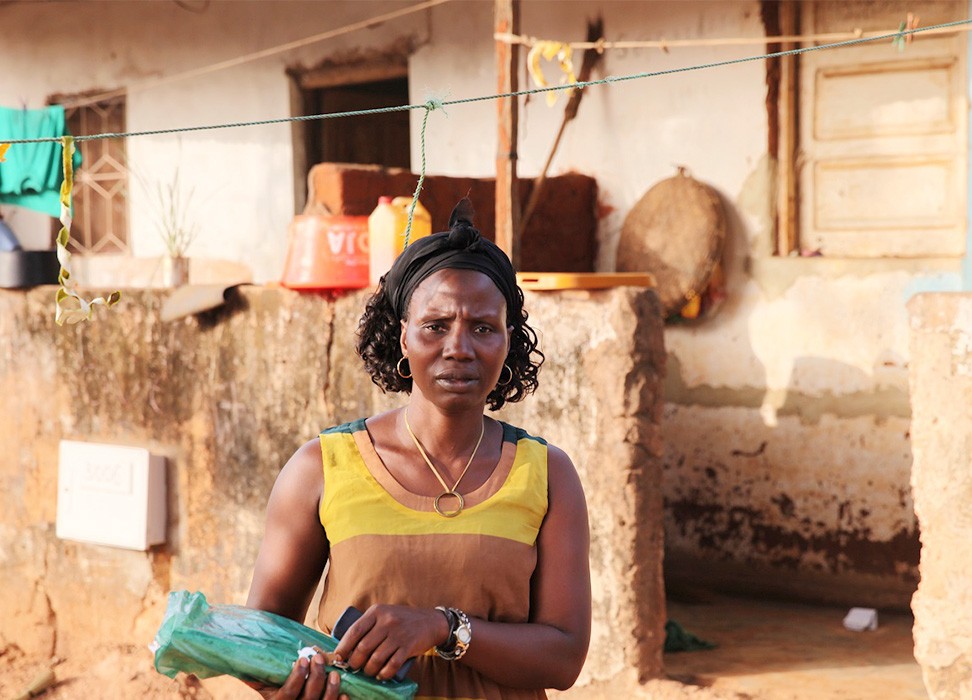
385,636
308,680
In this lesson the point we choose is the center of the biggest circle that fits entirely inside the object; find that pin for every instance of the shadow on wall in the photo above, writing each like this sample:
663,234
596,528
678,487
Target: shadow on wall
799,491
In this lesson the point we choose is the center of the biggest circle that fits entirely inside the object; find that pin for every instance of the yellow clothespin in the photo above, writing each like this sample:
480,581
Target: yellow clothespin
3,151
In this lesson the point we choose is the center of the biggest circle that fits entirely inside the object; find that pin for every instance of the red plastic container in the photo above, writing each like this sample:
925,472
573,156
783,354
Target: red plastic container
327,252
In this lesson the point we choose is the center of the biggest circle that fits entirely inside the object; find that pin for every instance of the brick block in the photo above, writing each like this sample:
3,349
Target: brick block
560,237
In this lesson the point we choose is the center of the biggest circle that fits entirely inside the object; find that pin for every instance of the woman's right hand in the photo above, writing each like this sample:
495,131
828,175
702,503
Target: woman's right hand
309,680
385,636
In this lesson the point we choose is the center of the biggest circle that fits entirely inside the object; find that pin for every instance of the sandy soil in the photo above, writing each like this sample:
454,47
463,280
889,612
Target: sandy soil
118,672
766,650
127,672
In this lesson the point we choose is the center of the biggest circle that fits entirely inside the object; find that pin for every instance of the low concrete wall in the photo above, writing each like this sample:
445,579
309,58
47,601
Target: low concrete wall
228,395
941,480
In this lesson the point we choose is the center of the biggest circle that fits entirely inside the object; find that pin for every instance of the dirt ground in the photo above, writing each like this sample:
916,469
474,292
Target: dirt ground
789,651
127,672
771,650
121,671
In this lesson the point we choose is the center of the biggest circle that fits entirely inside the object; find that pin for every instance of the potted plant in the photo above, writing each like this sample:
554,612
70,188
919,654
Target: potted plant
175,229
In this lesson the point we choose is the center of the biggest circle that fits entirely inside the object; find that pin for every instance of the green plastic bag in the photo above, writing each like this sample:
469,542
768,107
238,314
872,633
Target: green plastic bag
252,645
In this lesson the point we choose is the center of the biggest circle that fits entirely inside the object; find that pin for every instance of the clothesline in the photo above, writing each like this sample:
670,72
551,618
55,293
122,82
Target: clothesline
254,56
433,104
664,44
81,308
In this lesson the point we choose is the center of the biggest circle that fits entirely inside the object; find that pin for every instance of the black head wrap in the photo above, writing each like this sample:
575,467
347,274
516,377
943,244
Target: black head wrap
461,247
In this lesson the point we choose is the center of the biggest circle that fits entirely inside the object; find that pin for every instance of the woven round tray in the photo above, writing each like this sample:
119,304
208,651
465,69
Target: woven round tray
676,232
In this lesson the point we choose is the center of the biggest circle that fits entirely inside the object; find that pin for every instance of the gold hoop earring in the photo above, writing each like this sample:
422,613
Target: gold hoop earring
508,369
401,374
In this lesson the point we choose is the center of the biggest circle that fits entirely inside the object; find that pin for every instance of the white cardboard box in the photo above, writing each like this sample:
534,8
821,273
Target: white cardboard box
110,494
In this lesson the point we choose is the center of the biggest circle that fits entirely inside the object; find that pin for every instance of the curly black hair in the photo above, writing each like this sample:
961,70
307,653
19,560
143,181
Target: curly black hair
378,345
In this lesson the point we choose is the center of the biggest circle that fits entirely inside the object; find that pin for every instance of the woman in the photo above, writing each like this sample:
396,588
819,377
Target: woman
464,540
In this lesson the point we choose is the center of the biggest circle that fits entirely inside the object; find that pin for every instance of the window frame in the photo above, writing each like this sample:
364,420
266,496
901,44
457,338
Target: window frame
304,80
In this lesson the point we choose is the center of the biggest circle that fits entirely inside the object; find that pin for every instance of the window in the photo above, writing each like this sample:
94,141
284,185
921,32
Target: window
100,223
378,139
876,164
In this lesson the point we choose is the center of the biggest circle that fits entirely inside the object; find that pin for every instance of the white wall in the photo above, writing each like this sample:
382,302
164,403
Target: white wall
628,135
242,177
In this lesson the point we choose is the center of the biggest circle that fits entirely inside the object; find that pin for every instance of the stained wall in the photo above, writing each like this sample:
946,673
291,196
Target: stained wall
787,417
228,395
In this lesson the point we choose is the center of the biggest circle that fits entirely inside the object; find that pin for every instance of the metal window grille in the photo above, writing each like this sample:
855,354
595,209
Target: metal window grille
100,223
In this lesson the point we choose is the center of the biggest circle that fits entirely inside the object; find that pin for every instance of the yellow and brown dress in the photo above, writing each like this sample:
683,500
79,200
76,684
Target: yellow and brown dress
388,545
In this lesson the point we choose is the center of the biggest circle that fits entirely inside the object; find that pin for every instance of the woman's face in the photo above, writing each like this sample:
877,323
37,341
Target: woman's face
456,338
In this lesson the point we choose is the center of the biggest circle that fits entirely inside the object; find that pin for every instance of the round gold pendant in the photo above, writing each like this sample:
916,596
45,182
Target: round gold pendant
449,513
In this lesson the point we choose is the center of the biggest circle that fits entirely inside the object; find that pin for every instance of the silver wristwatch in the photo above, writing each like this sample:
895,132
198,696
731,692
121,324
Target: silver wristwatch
460,634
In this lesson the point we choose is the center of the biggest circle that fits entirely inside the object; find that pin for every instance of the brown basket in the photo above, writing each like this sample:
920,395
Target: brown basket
676,232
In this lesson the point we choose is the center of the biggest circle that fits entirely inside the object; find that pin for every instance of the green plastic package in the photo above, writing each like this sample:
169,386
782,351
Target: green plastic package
252,645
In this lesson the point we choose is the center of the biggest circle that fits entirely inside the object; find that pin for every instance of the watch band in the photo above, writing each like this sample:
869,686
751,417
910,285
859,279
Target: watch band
449,644
460,634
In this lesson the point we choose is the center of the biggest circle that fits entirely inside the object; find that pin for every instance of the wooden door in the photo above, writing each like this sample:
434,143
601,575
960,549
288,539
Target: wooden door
882,160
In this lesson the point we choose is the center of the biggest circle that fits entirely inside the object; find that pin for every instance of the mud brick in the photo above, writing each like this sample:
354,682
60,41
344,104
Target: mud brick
560,237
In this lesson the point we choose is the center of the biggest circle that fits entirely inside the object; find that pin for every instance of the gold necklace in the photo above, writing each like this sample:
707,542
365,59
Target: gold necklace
448,492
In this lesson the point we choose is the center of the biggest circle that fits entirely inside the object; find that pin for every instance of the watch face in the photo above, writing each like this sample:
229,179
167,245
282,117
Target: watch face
463,635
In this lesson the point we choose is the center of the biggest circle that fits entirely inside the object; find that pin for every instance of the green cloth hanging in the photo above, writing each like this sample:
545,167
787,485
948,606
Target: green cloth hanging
31,175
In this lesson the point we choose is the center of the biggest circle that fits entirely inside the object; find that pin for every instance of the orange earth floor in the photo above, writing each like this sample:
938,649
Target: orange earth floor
767,650
787,651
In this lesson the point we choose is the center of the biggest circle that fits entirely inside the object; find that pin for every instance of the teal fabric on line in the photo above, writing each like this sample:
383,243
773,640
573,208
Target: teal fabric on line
677,638
31,175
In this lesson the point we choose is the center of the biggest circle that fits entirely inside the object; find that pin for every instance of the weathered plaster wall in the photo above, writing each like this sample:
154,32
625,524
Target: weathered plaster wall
941,383
808,356
243,178
228,395
654,124
786,453
617,371
787,430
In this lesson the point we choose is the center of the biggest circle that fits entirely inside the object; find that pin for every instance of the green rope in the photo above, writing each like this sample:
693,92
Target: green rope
429,106
520,93
432,104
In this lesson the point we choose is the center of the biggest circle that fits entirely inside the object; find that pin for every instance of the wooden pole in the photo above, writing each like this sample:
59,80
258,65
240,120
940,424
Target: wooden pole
595,31
507,20
786,158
